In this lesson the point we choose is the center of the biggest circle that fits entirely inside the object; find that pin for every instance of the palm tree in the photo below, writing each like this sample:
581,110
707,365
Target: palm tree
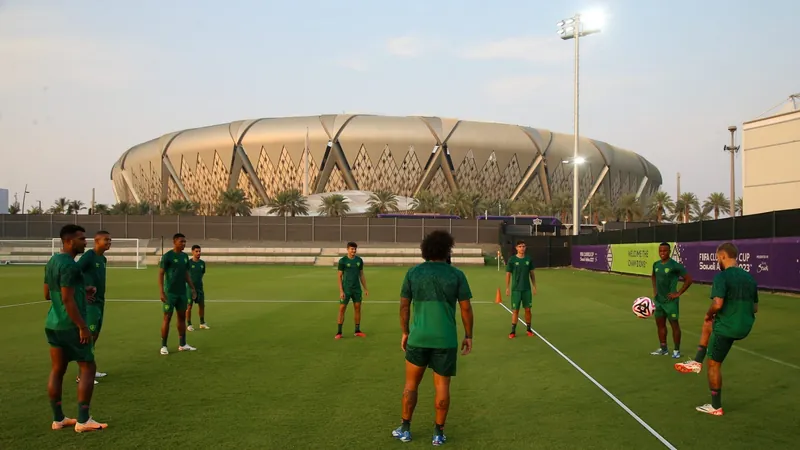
701,213
181,208
629,208
14,208
739,205
718,203
334,205
661,205
75,207
382,202
561,204
527,204
684,205
600,208
121,209
35,210
101,208
427,202
144,208
288,203
60,206
233,202
464,204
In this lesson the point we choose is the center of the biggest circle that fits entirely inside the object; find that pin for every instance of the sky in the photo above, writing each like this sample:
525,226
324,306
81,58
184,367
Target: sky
83,81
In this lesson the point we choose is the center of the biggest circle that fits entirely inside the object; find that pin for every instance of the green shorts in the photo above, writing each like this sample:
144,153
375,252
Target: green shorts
525,298
94,316
69,341
670,309
175,302
355,296
200,300
441,360
719,346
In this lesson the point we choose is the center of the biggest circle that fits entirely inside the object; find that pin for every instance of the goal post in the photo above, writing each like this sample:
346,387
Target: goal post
124,252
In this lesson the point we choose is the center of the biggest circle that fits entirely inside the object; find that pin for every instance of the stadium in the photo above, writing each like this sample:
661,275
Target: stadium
404,155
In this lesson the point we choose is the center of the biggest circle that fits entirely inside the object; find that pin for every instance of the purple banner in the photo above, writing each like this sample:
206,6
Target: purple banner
773,262
592,257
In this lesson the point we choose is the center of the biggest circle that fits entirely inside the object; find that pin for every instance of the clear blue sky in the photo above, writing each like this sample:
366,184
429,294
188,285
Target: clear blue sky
82,81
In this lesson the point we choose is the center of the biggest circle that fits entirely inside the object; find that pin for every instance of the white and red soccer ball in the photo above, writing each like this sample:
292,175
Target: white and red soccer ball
643,307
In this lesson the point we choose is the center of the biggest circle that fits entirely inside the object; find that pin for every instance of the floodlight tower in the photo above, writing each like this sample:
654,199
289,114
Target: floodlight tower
575,28
733,148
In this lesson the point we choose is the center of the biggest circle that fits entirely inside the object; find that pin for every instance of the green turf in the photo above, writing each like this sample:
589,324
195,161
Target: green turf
270,375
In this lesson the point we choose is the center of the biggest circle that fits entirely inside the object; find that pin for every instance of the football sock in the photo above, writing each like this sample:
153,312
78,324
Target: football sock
664,347
358,328
406,425
678,347
340,329
183,340
83,412
716,398
513,328
701,353
163,342
58,413
438,429
202,320
189,323
529,328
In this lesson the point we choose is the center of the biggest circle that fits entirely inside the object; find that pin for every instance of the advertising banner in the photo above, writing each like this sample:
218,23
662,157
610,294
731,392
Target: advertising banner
773,262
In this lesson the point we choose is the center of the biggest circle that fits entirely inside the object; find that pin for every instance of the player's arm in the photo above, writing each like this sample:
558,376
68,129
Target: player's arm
718,292
46,286
69,281
755,303
363,279
405,310
86,264
161,281
653,280
687,281
509,268
533,280
467,317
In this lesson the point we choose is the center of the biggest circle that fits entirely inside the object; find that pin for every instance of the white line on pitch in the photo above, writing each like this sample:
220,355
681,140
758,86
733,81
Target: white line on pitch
768,358
23,304
600,386
388,302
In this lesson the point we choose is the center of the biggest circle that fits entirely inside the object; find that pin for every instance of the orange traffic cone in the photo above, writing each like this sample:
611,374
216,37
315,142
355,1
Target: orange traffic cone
498,298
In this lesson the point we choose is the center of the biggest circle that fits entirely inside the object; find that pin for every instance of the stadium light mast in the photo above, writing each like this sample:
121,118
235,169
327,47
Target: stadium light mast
574,28
733,148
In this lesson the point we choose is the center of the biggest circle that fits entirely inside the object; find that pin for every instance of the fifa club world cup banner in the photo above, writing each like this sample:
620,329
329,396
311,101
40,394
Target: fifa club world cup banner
773,262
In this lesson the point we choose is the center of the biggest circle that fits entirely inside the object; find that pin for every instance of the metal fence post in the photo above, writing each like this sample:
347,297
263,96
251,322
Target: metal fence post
231,227
51,226
450,226
422,228
313,228
367,229
340,228
126,227
204,228
477,233
258,228
395,230
285,229
178,223
152,226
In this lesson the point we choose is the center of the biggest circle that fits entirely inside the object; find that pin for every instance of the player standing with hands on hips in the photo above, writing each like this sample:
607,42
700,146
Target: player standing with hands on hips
665,275
520,268
173,271
434,287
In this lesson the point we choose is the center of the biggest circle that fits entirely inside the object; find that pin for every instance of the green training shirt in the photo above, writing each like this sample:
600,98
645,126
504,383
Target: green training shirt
175,267
93,267
520,269
62,271
351,273
434,288
196,271
739,292
667,275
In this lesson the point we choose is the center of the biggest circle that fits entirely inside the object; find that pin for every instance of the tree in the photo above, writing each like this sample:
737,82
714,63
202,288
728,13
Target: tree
60,206
35,210
684,205
382,202
464,204
181,208
661,205
718,203
14,208
700,213
629,208
233,202
288,203
101,208
334,205
561,204
599,208
528,204
427,202
75,207
739,205
121,209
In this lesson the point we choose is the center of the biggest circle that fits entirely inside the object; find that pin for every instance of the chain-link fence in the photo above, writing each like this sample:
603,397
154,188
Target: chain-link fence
287,229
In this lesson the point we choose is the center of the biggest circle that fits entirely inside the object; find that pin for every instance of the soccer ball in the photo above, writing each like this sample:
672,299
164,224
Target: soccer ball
643,307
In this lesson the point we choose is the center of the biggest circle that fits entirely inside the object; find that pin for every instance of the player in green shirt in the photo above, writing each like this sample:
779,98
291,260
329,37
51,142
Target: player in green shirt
520,268
173,277
197,268
351,277
433,287
664,277
93,267
67,333
730,318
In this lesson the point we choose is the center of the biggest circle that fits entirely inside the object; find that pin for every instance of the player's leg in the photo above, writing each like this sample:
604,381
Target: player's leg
94,320
201,309
416,362
660,315
515,304
527,303
357,314
443,364
83,354
180,310
676,337
168,307
342,309
696,365
189,303
718,348
55,384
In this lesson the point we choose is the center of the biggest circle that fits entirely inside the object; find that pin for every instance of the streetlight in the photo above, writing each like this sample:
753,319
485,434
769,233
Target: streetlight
733,149
575,28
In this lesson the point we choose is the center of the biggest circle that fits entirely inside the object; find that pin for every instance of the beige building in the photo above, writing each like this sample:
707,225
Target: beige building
771,162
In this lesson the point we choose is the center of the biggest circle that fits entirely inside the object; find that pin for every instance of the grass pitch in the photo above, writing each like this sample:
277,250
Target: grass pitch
270,375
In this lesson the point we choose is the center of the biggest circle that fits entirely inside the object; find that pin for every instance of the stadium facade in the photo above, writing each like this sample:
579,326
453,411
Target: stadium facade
369,152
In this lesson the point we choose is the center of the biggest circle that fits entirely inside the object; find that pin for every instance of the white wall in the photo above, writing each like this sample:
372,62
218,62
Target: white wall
3,201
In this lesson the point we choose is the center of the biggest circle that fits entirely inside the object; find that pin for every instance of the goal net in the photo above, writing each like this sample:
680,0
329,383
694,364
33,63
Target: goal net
129,253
